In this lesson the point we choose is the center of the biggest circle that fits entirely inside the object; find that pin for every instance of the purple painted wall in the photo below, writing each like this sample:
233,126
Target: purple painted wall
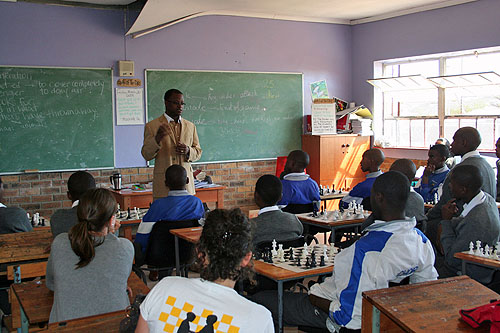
46,35
462,27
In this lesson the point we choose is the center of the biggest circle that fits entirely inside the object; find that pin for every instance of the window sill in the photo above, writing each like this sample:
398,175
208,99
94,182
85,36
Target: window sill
418,153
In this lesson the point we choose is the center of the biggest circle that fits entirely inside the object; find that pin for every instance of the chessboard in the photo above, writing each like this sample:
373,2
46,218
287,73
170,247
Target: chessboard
300,262
131,214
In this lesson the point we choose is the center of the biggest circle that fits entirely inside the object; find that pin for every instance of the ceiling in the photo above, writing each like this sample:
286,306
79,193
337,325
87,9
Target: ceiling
158,14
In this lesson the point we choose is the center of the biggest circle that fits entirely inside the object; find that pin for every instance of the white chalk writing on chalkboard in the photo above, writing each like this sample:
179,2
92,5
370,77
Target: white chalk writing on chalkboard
129,106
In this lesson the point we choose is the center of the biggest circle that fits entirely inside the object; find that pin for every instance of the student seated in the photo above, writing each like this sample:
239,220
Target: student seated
12,219
223,253
63,219
272,223
371,162
178,205
415,204
452,159
88,267
299,190
434,174
478,221
465,143
391,250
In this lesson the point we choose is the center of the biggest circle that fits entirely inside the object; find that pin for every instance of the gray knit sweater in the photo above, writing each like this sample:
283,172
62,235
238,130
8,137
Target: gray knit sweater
14,219
276,225
97,288
62,220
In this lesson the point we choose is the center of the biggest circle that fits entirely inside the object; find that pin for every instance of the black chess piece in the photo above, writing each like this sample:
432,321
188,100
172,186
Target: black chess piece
313,260
298,262
290,256
128,216
33,221
322,261
43,222
321,191
333,188
308,263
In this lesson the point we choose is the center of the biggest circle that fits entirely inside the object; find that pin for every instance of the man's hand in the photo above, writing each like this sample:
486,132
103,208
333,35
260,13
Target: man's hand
449,209
182,149
162,131
429,169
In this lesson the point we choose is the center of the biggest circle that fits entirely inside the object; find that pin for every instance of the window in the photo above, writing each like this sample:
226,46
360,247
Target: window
418,100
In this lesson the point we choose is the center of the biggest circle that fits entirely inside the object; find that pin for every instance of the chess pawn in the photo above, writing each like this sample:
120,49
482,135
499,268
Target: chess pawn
471,248
333,188
486,250
304,254
325,249
308,263
479,250
322,261
290,256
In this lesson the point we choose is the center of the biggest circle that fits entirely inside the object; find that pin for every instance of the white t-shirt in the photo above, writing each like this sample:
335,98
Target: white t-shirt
169,302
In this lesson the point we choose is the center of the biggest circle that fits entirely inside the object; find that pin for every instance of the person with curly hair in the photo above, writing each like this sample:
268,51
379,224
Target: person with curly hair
223,254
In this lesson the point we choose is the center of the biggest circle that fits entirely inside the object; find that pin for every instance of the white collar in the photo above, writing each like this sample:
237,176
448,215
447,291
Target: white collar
268,209
374,174
477,200
296,176
170,119
470,154
412,190
441,170
177,193
75,203
2,205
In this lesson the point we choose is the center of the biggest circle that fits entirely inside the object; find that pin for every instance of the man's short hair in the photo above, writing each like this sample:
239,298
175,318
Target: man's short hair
300,157
405,166
395,187
171,92
269,189
441,149
376,155
471,136
175,176
79,183
468,176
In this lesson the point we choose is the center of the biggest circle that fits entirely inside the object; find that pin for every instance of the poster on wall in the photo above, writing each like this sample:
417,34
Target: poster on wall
323,116
319,89
129,106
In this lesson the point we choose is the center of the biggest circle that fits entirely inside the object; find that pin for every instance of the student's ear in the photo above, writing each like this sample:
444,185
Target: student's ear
187,180
69,196
246,259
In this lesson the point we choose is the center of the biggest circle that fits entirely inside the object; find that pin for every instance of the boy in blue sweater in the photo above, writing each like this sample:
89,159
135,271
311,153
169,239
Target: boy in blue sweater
178,205
434,173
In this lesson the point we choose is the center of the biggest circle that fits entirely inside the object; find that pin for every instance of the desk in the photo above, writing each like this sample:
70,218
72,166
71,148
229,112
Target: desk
481,261
328,224
35,299
107,322
331,196
142,199
25,246
424,307
278,274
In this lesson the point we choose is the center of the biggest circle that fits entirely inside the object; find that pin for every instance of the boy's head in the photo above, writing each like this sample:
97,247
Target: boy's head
465,139
389,194
405,166
372,160
268,191
297,161
438,155
465,182
176,177
79,183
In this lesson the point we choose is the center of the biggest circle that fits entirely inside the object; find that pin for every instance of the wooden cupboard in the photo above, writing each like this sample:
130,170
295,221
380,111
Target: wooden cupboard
335,159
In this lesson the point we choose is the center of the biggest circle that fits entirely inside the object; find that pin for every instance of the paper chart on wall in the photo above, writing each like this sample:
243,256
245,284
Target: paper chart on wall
129,106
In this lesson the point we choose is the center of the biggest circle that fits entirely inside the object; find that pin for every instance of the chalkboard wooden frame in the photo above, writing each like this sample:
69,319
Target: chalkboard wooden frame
102,111
200,80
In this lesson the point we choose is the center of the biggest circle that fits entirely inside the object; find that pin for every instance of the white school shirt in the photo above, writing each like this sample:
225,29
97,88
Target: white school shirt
477,200
268,209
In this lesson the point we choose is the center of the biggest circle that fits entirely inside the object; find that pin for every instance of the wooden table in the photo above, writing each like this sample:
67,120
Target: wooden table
278,274
424,307
329,224
331,196
142,199
22,247
107,322
481,261
35,299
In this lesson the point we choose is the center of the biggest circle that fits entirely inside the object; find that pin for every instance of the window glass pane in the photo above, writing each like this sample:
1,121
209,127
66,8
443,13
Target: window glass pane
390,132
417,131
403,133
450,127
497,129
477,100
467,122
424,68
431,131
486,127
415,103
483,62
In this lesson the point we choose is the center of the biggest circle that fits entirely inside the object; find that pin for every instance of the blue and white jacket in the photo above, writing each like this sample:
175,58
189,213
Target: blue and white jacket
389,251
299,188
428,190
178,205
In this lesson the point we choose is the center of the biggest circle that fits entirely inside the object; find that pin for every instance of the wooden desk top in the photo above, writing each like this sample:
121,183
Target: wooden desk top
480,260
191,235
23,246
332,196
107,322
36,299
431,306
307,217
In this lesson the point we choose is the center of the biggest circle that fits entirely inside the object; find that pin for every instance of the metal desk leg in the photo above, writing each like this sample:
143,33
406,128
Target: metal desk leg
280,306
177,256
464,267
24,322
375,320
332,235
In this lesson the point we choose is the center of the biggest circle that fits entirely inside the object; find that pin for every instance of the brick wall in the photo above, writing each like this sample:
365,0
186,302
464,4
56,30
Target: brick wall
46,192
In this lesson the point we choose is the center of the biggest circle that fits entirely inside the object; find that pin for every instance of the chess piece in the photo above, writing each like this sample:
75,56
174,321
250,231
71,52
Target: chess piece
322,261
325,249
327,189
333,188
308,263
306,249
298,262
471,248
313,259
128,216
479,250
290,256
487,250
136,213
273,251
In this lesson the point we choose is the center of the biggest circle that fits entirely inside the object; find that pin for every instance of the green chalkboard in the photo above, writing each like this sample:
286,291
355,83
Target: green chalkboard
55,118
238,115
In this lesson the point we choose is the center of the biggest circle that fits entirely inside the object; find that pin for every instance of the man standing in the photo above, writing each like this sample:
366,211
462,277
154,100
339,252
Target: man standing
170,139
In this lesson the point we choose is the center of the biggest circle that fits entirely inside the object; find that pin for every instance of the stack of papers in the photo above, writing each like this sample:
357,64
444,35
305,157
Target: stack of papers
362,126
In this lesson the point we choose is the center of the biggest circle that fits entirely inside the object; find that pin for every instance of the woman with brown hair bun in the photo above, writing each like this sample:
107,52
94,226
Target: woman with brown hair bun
88,267
210,303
